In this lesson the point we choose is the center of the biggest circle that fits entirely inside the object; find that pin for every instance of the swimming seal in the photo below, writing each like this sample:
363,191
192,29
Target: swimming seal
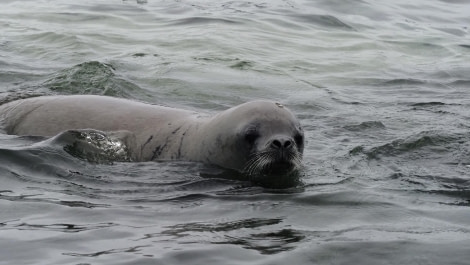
256,138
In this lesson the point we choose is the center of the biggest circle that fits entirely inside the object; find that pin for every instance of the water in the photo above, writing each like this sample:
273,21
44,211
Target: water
380,87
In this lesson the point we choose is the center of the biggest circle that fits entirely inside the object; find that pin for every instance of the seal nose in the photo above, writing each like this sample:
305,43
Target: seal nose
281,143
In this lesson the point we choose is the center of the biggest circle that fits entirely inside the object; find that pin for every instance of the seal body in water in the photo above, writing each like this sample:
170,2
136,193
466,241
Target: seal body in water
258,137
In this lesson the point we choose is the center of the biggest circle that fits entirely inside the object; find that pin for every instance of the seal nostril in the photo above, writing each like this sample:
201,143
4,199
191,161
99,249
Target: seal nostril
282,143
287,144
276,144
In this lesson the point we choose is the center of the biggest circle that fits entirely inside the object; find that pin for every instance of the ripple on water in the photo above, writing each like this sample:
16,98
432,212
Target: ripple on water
91,78
367,125
381,89
239,232
435,140
322,21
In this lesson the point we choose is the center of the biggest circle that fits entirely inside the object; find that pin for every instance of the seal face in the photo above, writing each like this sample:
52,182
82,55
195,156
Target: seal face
268,138
281,154
258,138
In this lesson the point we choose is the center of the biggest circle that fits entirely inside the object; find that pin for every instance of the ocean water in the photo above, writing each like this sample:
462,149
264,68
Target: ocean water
381,89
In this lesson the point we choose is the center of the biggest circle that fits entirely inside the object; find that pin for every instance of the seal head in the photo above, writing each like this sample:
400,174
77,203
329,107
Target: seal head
258,138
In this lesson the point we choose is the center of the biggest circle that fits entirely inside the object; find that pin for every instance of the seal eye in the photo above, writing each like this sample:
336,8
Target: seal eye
251,136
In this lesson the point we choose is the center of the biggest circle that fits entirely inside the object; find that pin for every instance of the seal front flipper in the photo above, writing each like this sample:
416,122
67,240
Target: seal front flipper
97,146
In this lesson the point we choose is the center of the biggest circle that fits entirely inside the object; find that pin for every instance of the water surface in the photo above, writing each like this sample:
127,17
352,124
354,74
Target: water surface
381,89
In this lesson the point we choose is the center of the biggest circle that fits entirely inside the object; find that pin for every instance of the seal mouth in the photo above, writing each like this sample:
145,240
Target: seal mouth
278,168
271,162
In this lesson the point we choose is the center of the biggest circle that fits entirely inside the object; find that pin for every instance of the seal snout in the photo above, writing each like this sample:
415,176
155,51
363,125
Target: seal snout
282,150
281,143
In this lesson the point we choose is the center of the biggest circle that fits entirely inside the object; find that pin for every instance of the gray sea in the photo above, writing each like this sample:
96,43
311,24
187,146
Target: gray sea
382,89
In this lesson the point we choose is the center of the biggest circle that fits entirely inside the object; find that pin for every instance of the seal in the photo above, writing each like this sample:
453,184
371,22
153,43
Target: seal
256,138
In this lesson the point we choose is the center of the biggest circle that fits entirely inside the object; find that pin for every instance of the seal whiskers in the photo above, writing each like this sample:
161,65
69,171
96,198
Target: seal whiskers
272,162
257,163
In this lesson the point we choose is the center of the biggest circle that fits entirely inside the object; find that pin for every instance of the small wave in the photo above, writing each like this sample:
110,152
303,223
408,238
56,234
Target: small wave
49,37
93,146
323,21
90,145
412,143
9,97
92,77
106,252
460,83
36,198
456,189
367,125
427,104
202,20
461,197
403,81
268,242
242,65
224,226
56,227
